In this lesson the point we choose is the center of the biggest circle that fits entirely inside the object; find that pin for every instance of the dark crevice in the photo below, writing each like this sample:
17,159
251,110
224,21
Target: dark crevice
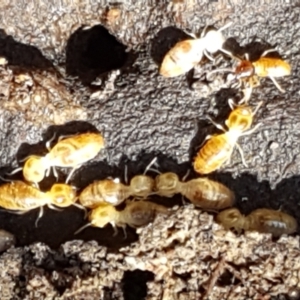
21,55
134,284
93,52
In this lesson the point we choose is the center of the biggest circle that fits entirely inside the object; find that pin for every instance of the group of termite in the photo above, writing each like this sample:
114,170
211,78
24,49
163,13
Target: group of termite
103,197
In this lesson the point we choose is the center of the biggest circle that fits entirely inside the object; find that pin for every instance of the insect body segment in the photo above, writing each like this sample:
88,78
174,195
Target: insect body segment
71,152
261,220
202,192
272,221
218,149
20,196
114,192
186,54
135,214
249,72
141,213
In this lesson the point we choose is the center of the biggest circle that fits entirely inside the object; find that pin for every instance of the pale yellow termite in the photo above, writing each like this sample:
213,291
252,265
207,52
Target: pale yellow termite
21,197
114,192
202,192
186,54
70,152
262,220
136,214
218,148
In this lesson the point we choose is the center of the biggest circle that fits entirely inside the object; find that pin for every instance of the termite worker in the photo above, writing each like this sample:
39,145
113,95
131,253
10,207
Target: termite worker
114,192
70,152
202,192
248,72
136,214
218,148
271,67
262,220
186,54
272,221
21,197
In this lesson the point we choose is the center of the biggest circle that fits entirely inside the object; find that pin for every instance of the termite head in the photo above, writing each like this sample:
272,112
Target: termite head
102,215
214,40
142,185
34,169
62,195
230,218
244,69
166,184
240,118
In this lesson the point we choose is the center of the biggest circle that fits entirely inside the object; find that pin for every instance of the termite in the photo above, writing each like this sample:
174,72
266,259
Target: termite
249,72
218,148
262,220
202,192
136,214
70,152
112,191
186,54
21,197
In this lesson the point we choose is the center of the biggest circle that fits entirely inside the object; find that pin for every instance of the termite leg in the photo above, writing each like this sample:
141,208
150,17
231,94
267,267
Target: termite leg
242,155
208,55
152,162
257,108
247,95
277,84
39,216
115,229
251,130
48,172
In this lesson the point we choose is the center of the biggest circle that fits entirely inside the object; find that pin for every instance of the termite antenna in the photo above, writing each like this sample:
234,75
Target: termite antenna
83,227
126,174
81,207
186,175
221,70
54,208
50,141
152,162
225,26
71,173
231,104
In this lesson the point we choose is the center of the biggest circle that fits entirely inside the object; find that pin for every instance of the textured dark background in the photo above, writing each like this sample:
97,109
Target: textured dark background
106,68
